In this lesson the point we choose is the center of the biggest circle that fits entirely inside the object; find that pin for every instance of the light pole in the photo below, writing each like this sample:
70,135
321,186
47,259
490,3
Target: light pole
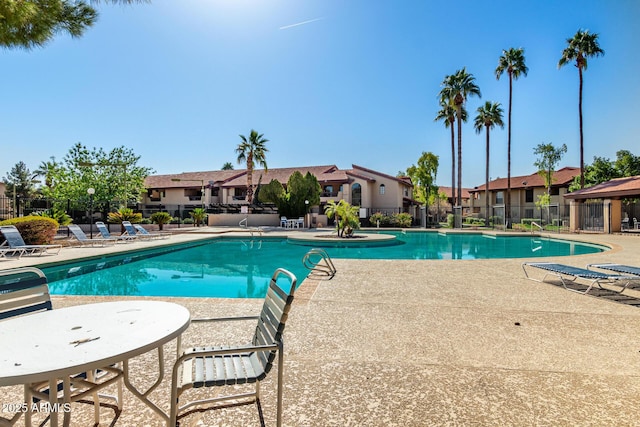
91,191
306,213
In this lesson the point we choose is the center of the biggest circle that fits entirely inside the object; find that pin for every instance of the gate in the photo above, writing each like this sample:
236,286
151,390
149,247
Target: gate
592,216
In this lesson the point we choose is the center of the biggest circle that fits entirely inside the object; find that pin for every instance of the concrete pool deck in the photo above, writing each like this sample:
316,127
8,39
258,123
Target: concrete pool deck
422,343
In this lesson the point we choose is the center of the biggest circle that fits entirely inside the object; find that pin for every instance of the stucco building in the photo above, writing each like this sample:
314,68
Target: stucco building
224,192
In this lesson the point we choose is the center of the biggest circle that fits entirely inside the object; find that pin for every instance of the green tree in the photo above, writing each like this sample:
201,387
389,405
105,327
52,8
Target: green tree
447,114
252,150
115,175
512,62
489,115
423,175
19,181
456,88
227,166
581,47
602,169
627,164
291,202
548,158
32,23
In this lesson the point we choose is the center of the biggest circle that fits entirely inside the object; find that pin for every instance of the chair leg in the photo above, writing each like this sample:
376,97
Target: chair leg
91,376
280,377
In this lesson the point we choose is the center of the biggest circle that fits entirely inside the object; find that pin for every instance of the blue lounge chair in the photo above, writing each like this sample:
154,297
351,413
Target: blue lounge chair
14,241
139,231
568,273
618,268
104,231
143,231
86,241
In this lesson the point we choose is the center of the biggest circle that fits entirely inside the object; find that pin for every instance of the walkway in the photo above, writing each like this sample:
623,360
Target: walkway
433,343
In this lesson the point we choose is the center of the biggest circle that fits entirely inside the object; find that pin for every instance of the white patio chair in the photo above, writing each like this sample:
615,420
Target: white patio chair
284,223
24,291
218,366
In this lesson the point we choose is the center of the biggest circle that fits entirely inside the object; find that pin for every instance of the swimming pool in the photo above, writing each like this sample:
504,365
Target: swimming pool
227,267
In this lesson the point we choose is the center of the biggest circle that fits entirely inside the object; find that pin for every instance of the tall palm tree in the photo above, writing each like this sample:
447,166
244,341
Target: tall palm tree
447,114
48,170
511,61
582,46
252,150
489,115
456,88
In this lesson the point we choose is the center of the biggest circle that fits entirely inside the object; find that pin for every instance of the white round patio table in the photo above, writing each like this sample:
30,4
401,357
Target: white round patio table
60,343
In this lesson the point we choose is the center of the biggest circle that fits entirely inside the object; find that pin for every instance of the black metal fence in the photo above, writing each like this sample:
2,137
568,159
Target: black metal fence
551,217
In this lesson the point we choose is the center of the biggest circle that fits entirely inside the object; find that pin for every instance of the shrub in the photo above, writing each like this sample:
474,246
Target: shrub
57,214
451,220
124,214
381,219
161,218
187,221
35,230
402,220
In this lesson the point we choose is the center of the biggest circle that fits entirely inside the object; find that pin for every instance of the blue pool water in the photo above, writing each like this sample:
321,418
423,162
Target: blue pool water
241,268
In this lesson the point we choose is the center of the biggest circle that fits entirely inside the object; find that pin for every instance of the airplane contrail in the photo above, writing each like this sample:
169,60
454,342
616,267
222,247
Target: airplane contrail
300,23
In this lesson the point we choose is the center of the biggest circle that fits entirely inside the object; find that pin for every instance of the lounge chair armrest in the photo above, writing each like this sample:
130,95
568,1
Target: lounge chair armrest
224,319
194,352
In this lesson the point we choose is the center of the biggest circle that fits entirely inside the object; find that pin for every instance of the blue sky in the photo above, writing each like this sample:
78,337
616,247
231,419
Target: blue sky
356,82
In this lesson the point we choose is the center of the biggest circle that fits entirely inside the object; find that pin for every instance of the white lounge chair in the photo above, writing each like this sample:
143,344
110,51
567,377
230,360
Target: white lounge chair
567,273
217,366
15,241
104,231
85,240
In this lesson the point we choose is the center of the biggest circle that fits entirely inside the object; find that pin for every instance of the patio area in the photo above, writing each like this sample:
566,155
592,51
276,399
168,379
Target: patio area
420,343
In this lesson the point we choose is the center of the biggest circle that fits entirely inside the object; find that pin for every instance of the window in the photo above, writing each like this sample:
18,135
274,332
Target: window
193,194
155,194
327,191
528,195
554,191
381,190
356,195
499,198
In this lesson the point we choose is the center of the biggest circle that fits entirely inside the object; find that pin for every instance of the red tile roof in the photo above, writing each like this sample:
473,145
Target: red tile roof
616,188
237,178
561,177
447,191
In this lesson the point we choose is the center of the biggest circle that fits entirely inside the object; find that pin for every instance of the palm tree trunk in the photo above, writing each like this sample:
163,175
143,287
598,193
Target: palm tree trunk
459,108
453,167
508,206
250,178
486,180
581,136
